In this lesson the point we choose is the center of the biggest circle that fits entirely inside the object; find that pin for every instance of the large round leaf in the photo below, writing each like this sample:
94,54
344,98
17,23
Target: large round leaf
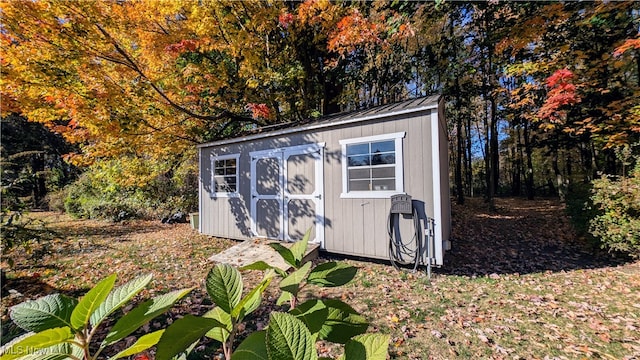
342,323
367,347
313,313
289,339
224,285
47,312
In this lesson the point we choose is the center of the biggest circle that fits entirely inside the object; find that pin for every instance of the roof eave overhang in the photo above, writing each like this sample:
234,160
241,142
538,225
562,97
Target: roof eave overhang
317,126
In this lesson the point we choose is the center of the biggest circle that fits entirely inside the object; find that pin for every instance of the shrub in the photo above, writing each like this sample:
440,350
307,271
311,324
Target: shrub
618,224
132,188
55,200
581,210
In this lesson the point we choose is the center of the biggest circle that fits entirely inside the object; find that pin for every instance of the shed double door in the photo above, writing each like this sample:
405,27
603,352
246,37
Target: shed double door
287,193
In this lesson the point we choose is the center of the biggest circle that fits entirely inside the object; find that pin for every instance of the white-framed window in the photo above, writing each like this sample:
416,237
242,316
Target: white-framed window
372,166
224,179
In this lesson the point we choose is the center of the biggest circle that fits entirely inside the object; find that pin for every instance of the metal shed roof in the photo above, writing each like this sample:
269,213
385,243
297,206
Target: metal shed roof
400,108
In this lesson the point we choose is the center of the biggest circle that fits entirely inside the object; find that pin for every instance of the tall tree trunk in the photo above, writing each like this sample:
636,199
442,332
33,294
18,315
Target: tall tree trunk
528,149
494,148
487,160
459,185
469,161
516,184
39,188
594,161
559,178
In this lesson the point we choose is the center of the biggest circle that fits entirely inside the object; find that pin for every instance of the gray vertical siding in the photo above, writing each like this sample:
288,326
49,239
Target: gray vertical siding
353,226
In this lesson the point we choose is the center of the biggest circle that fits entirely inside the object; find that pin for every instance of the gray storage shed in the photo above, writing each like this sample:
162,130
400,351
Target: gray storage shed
335,175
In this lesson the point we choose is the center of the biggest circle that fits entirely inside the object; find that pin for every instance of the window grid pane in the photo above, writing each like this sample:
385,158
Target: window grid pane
371,166
225,176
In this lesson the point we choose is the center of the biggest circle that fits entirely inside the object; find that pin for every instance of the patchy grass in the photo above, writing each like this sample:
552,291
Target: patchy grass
518,283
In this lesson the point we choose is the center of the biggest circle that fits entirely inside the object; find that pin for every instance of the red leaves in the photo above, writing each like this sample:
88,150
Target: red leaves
185,45
142,356
562,93
559,78
285,19
259,110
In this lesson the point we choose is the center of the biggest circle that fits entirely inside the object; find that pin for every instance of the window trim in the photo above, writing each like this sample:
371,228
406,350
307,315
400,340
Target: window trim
399,167
224,194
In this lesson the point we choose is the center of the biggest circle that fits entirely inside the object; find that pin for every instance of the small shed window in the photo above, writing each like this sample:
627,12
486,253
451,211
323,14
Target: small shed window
225,175
372,166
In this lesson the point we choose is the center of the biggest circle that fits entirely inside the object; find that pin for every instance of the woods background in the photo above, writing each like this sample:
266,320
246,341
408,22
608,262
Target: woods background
103,101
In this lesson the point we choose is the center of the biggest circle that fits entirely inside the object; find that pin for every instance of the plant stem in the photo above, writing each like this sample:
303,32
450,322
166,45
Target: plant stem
227,346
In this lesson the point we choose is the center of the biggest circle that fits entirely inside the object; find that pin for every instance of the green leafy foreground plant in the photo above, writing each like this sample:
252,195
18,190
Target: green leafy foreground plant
290,335
62,327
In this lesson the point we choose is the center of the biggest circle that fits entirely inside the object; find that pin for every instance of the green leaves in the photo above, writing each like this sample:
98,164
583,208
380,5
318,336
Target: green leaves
39,341
44,313
285,253
220,333
333,320
261,265
367,347
292,282
58,319
224,285
331,274
313,313
293,255
142,314
90,302
292,335
182,333
288,338
251,301
342,323
119,297
65,326
300,247
142,344
254,347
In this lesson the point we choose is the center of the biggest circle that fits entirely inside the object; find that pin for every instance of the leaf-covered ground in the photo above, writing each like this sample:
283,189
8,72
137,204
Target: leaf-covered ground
518,283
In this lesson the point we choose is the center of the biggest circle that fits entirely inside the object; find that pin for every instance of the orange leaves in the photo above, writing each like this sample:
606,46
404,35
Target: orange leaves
314,12
353,30
626,46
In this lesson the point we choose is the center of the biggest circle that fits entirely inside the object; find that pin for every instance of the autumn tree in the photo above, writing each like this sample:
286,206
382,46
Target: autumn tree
141,82
149,79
